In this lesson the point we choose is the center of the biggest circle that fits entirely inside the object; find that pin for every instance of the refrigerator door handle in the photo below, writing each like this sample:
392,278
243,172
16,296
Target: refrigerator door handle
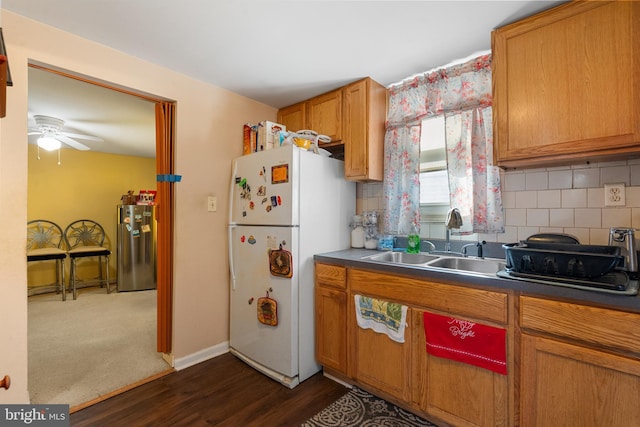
232,273
234,169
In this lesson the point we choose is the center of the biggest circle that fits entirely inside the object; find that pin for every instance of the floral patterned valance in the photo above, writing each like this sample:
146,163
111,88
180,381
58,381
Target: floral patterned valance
456,88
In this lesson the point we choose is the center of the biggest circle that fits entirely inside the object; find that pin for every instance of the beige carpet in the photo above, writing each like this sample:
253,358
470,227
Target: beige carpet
83,349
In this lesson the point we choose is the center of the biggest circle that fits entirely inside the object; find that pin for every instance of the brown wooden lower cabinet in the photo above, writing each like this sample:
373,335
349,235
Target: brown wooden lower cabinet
455,392
577,386
331,317
442,390
331,328
580,364
381,362
568,364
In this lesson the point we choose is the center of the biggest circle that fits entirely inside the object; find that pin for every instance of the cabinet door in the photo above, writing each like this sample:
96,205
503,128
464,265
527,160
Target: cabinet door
364,115
568,385
455,392
331,328
566,84
294,117
379,361
325,114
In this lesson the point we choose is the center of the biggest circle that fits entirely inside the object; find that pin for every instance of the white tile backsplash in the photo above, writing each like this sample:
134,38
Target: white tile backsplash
588,218
509,199
510,235
615,174
586,178
514,181
635,218
598,236
561,217
537,180
567,199
524,232
560,179
576,198
549,199
526,199
538,217
595,197
635,174
632,196
617,216
613,163
515,217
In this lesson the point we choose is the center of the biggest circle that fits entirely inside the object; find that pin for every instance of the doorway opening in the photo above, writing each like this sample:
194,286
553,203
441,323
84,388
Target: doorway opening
163,111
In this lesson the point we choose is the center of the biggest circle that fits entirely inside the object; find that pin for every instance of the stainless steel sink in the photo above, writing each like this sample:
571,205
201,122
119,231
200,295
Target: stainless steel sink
452,263
471,265
402,258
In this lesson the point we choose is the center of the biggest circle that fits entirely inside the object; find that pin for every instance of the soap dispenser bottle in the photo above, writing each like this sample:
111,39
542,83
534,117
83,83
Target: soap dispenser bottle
413,240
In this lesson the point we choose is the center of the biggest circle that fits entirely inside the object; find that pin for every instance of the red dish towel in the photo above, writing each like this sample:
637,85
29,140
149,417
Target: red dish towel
479,345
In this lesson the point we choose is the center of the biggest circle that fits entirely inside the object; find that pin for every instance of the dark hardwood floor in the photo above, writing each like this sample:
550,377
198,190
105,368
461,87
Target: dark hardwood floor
223,391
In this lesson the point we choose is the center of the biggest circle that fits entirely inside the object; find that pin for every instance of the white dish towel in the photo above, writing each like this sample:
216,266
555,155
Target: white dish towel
384,317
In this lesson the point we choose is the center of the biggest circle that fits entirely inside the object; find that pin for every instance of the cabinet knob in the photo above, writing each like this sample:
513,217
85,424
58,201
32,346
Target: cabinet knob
5,382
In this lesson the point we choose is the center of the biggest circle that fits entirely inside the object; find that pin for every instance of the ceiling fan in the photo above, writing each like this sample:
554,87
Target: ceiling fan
52,137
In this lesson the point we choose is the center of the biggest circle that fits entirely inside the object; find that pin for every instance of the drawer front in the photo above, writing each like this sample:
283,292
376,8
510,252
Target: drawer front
597,326
331,275
457,300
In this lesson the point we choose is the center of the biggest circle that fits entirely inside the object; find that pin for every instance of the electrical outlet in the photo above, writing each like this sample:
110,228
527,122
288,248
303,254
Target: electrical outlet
614,195
212,203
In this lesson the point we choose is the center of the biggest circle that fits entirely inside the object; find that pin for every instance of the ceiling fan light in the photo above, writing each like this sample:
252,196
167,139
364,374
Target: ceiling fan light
48,143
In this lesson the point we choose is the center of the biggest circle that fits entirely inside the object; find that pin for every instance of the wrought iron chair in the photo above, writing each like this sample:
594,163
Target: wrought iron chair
45,243
85,238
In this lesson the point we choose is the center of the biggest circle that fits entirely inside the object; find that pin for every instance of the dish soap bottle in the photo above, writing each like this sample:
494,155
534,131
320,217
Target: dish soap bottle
413,240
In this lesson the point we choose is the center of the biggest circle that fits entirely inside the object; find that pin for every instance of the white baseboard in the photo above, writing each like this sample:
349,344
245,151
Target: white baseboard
200,356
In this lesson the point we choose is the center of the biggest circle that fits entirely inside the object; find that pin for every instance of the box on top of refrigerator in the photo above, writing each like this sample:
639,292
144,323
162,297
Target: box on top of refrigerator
269,135
249,139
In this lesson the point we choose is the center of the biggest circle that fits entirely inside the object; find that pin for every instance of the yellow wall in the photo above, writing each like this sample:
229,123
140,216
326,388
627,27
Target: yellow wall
86,185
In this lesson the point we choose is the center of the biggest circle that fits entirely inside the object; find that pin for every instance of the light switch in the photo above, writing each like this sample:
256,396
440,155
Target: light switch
212,203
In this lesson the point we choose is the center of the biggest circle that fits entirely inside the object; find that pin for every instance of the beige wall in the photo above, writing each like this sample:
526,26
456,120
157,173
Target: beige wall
209,135
86,185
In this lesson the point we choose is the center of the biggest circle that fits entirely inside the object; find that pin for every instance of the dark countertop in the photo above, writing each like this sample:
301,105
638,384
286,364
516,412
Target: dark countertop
354,258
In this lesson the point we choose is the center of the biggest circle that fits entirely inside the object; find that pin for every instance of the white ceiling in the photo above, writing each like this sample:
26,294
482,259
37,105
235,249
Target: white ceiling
125,122
280,52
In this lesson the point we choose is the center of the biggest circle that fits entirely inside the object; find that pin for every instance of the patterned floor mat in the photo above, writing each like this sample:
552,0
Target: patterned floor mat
359,408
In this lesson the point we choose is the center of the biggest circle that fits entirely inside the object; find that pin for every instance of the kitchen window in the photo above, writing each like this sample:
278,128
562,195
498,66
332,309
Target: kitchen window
434,179
462,93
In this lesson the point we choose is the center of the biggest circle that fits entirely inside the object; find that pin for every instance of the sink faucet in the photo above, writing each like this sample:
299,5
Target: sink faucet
432,247
478,245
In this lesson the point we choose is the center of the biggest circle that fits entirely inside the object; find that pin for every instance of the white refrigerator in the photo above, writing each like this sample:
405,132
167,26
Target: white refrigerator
286,204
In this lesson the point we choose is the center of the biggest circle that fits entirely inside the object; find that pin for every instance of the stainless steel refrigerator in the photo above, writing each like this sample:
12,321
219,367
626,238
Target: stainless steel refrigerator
136,247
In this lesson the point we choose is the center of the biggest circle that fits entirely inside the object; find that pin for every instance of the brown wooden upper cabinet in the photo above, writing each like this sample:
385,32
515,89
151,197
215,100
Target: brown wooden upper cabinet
566,85
353,116
294,117
324,114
